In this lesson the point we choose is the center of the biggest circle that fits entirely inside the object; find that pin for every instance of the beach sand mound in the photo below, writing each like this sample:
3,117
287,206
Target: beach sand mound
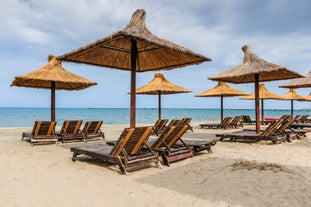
252,165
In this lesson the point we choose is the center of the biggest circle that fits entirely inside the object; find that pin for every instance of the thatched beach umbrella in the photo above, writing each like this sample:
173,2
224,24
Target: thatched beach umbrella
134,49
264,94
293,95
299,82
159,85
54,77
221,90
254,69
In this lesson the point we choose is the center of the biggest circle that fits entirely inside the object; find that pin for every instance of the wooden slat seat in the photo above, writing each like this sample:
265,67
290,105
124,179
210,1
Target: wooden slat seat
126,153
267,134
92,129
42,132
71,131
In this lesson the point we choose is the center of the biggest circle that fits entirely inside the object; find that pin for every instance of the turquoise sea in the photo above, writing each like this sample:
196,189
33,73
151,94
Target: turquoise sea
25,117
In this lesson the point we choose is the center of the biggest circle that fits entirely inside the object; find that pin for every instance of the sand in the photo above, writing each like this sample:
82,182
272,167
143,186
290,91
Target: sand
235,174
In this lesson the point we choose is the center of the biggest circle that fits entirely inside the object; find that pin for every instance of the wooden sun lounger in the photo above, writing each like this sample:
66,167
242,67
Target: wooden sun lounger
303,119
286,130
71,131
222,124
235,122
267,134
246,119
42,132
92,130
127,153
165,145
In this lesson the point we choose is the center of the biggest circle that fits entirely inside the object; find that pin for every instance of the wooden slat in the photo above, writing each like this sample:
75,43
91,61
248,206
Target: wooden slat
142,140
124,141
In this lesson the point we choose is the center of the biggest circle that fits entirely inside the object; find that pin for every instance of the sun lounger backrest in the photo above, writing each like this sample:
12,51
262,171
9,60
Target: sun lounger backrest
286,123
185,121
160,124
226,121
71,126
170,136
44,128
131,141
247,118
235,120
273,126
303,118
297,117
92,127
174,122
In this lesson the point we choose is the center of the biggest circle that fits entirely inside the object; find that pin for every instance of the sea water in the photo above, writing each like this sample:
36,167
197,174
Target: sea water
25,117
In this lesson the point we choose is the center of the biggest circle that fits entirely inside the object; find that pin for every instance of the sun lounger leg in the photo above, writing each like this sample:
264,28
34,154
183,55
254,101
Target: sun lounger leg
158,163
165,160
74,156
121,165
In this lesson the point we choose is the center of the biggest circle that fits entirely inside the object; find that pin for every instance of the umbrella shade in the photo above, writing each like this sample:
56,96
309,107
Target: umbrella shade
54,77
263,94
254,69
135,49
293,95
159,85
299,82
221,90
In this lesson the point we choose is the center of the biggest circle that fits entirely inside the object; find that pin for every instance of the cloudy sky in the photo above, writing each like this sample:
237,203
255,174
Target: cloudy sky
277,30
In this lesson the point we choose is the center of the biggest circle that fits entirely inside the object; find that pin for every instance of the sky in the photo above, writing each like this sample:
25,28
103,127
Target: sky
277,30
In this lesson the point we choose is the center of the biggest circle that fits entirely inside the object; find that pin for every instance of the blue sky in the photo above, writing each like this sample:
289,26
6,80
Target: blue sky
277,30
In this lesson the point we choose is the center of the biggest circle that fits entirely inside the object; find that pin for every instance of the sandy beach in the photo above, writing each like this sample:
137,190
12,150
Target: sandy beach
235,174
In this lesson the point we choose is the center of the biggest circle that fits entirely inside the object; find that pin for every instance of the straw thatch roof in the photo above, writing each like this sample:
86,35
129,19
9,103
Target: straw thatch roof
252,64
159,84
293,95
53,71
115,50
263,94
221,89
299,82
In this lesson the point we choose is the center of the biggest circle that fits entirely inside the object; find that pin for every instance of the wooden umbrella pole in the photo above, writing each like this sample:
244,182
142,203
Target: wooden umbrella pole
133,83
292,107
159,105
262,112
221,108
53,101
257,108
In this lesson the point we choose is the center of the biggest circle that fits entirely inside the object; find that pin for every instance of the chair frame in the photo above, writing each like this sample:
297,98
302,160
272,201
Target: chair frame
92,130
42,132
128,151
267,134
71,130
166,141
222,124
